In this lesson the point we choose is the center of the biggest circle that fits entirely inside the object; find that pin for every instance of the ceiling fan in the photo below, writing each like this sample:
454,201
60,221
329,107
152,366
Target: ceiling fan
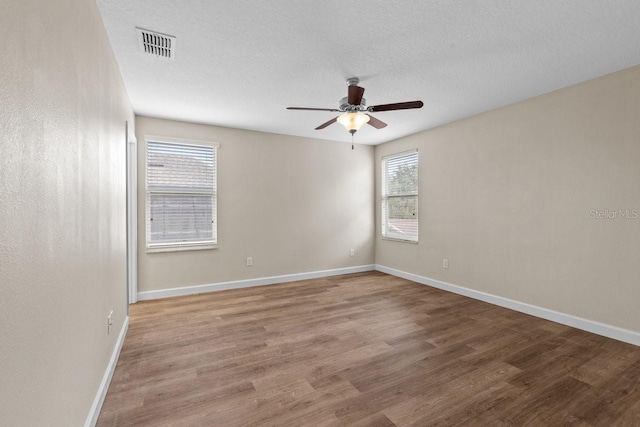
354,111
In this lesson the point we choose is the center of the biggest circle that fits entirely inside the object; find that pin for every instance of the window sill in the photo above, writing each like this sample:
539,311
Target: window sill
393,239
180,248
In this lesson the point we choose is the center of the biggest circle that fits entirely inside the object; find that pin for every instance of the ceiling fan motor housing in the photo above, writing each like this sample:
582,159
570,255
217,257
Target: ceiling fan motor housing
345,106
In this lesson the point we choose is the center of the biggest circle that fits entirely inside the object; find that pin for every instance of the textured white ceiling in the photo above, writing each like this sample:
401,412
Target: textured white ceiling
240,63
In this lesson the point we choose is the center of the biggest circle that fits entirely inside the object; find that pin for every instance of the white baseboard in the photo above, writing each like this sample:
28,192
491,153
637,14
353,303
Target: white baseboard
94,412
598,328
199,289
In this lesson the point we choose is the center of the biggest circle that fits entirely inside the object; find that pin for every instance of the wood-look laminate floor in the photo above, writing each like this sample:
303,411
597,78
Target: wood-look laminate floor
363,350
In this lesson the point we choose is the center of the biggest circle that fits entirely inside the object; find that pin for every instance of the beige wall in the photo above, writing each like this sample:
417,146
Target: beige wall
62,210
295,205
506,197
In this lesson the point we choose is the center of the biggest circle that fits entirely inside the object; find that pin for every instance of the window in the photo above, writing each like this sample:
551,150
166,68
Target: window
400,196
181,196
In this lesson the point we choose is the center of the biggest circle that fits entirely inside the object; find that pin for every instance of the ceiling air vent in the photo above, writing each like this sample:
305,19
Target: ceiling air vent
158,44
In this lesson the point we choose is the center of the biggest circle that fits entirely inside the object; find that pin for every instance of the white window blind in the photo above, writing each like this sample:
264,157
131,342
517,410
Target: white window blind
400,196
181,196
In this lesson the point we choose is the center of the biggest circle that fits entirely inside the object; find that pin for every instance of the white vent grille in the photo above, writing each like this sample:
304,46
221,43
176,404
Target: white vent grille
158,44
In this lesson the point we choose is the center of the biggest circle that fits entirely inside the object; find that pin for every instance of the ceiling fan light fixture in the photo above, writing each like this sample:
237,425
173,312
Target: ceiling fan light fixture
353,121
354,109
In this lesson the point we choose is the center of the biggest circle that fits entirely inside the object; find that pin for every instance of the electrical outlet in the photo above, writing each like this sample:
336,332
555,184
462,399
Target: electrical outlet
445,263
109,322
352,252
249,261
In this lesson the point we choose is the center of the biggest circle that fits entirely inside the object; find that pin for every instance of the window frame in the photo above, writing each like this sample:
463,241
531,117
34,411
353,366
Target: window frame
181,246
384,198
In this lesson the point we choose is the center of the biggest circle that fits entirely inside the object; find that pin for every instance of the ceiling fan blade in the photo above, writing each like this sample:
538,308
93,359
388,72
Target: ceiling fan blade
397,106
355,95
312,109
330,122
378,124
